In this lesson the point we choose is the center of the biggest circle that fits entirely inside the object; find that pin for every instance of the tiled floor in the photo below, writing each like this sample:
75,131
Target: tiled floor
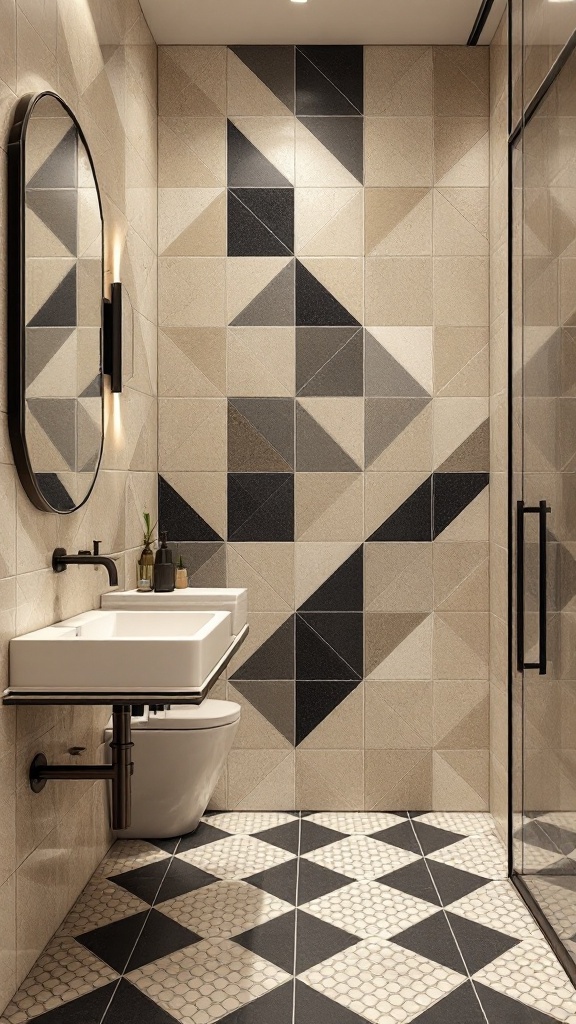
546,851
279,918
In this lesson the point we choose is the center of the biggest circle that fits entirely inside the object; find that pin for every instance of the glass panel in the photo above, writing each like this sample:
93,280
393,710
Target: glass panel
547,28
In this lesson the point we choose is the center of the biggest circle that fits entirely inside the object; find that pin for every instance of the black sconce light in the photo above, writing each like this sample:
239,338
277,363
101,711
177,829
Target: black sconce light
113,337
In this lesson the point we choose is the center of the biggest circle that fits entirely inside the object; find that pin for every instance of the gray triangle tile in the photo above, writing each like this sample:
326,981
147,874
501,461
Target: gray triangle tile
274,419
274,66
473,455
42,343
274,700
316,451
385,376
57,417
386,419
273,306
343,137
57,209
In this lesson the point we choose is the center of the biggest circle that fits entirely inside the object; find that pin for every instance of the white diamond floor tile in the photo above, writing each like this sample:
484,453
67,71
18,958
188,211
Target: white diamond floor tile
370,908
360,857
382,982
236,857
356,822
562,819
482,855
536,858
530,973
199,984
65,971
497,905
128,854
558,903
246,822
224,909
467,823
102,902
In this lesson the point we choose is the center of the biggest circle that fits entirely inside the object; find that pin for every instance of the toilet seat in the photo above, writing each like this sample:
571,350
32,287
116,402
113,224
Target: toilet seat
209,715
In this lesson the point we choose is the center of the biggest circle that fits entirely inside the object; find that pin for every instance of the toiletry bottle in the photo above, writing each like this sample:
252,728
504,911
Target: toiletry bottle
163,568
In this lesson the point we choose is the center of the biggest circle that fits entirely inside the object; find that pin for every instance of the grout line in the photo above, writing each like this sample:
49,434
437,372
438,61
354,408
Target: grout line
443,909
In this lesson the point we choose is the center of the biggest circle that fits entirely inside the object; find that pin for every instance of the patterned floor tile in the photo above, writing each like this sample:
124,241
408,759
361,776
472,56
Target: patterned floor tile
382,982
280,881
236,857
65,971
88,1009
311,1007
224,909
273,941
163,880
102,902
478,944
128,854
452,883
496,905
247,822
130,1006
137,940
500,1009
530,974
370,908
358,856
203,835
357,822
433,939
214,979
275,1006
469,823
416,880
557,900
483,854
461,1006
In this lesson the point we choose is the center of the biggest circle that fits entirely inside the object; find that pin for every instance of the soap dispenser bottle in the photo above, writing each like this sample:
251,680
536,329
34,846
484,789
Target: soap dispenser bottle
164,568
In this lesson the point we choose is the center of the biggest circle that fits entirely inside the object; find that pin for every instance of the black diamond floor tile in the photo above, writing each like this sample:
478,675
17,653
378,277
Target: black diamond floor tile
314,1008
315,881
130,1006
433,939
317,941
203,835
279,881
500,1009
168,845
274,941
163,880
401,836
432,838
460,1007
452,883
285,837
88,1009
276,1006
137,940
314,836
300,835
114,943
478,944
415,880
160,937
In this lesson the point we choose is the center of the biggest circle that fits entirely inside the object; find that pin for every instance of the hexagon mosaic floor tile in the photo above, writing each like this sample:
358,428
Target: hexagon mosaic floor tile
294,918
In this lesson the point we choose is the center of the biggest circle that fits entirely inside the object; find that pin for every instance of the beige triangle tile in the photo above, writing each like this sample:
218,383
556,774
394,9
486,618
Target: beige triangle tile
191,152
461,222
461,576
462,150
473,455
255,732
192,362
330,780
261,361
274,137
461,645
398,577
343,729
206,493
386,492
412,449
340,231
396,779
193,80
461,714
247,94
411,347
178,208
398,80
262,626
411,659
315,165
206,234
461,80
398,714
460,780
260,780
455,419
461,358
344,279
270,569
246,277
472,524
398,221
315,563
329,506
343,420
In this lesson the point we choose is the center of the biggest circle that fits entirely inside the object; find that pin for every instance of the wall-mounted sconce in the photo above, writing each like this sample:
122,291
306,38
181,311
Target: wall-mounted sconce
113,337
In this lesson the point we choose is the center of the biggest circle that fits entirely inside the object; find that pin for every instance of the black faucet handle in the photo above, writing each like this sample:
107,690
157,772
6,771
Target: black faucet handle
84,551
96,544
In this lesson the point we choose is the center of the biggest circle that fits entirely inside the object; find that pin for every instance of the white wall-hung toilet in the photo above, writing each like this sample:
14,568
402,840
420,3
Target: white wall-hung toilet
178,757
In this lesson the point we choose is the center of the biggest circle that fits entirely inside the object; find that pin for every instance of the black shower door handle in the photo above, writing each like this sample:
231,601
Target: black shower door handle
541,510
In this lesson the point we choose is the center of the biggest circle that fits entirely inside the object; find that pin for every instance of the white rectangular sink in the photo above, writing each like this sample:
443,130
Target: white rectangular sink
114,651
226,599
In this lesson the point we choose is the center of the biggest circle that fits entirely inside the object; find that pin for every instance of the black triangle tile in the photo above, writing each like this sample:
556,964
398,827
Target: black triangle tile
329,361
248,167
276,1006
274,941
343,67
500,1009
179,519
59,310
273,306
280,881
452,883
550,837
54,491
168,845
203,835
343,632
453,492
432,839
274,208
412,521
137,940
260,510
247,235
315,700
316,94
316,660
274,700
401,836
285,837
59,168
313,836
316,450
312,1007
274,659
164,879
433,940
88,1009
479,945
415,880
459,1007
343,591
315,881
131,1006
273,65
316,306
159,937
318,940
343,137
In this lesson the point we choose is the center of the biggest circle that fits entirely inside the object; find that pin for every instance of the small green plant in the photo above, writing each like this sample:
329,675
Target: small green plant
181,563
148,529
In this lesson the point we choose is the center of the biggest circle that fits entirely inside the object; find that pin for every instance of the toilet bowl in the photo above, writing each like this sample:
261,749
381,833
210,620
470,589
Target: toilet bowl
178,757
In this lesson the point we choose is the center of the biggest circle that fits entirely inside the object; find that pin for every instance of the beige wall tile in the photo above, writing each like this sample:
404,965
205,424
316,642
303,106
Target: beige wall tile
191,152
398,151
460,291
8,982
398,80
192,81
461,80
399,713
329,780
192,292
396,779
398,221
399,291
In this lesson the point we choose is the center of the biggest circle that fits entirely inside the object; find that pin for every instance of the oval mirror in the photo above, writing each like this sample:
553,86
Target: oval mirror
55,290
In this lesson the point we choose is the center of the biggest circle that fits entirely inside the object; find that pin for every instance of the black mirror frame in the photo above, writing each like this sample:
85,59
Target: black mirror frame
16,298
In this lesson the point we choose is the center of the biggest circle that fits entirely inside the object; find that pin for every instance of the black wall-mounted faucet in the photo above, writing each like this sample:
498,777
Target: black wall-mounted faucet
61,560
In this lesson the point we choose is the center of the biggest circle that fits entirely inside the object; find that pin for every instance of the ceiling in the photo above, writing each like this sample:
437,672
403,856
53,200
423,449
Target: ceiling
317,21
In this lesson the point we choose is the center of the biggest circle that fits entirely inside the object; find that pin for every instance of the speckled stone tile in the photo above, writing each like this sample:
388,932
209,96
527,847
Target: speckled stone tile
224,909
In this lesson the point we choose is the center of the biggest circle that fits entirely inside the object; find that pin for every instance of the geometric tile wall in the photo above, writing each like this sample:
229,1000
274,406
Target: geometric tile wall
323,407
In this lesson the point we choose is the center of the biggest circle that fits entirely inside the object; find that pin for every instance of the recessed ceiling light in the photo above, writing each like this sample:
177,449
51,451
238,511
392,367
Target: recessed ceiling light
299,1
